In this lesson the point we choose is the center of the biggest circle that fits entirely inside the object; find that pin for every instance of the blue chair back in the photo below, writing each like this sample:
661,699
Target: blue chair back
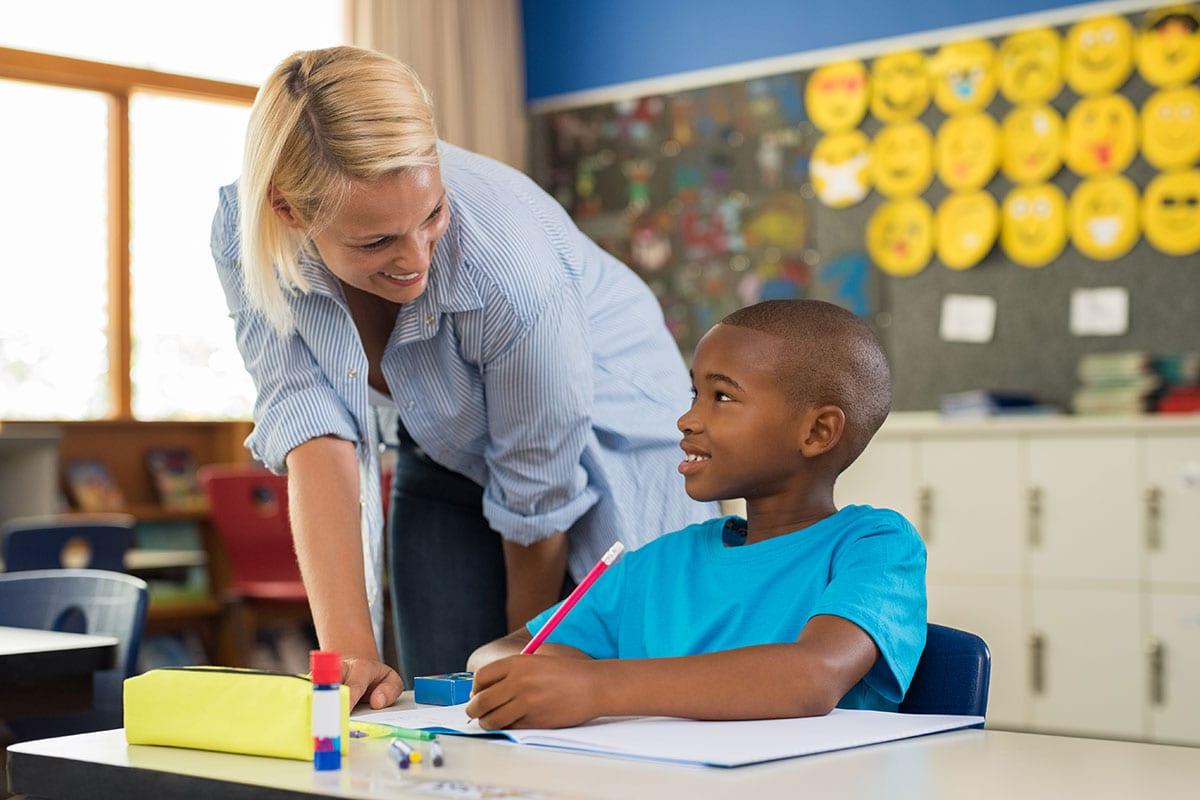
81,601
94,542
952,676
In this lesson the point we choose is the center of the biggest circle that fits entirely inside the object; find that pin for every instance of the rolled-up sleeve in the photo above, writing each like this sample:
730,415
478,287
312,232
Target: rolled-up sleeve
539,405
294,401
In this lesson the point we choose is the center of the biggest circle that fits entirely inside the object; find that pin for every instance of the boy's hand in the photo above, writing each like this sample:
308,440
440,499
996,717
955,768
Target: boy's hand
536,691
371,680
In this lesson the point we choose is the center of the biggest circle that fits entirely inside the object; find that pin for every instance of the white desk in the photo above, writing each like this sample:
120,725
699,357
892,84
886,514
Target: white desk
49,672
963,764
30,641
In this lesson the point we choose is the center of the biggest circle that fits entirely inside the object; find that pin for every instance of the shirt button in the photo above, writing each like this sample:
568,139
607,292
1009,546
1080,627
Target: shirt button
352,373
429,320
410,405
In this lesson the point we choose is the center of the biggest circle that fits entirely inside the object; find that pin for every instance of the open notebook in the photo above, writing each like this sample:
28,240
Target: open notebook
682,741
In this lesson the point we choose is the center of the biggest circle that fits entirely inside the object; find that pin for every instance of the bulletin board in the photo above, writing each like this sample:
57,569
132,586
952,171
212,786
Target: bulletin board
709,195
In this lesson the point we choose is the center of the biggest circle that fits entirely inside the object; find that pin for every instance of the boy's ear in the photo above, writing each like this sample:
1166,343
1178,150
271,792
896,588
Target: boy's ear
821,429
283,210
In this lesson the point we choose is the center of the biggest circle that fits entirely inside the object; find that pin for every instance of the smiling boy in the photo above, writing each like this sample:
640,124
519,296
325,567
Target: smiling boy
797,609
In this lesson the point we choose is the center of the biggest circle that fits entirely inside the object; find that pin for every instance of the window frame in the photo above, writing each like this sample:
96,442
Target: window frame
118,83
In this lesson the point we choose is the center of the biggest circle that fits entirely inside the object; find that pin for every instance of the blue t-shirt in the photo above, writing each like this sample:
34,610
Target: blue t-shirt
701,590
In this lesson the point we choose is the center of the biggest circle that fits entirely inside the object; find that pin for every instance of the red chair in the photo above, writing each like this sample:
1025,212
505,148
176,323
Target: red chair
249,511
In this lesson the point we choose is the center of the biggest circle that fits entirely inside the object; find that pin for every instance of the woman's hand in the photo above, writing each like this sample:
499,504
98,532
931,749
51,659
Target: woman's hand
371,678
537,691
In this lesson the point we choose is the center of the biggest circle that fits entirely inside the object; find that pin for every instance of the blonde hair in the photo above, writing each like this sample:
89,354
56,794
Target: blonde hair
323,120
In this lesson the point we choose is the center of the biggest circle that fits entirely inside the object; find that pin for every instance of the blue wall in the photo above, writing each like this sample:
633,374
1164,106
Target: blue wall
573,45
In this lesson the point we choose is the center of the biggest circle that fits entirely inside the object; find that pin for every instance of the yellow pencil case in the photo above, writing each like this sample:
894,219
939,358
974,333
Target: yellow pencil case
229,710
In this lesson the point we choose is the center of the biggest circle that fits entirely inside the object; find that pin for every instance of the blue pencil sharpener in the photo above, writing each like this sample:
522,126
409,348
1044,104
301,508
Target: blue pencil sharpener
443,690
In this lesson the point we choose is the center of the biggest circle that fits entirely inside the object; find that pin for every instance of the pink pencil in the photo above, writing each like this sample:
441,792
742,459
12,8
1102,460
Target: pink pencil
604,563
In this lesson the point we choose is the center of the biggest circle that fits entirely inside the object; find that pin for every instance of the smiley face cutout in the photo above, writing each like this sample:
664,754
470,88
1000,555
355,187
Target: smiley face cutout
900,236
1171,127
1171,212
840,168
1033,227
966,229
967,151
1099,55
964,76
1104,217
1102,135
902,159
836,96
1030,64
899,86
1033,144
1168,45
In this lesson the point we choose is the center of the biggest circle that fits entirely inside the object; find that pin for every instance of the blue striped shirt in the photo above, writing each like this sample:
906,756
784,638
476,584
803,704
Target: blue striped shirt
534,363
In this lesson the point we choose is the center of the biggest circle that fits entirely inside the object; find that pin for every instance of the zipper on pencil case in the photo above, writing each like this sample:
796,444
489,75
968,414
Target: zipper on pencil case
236,671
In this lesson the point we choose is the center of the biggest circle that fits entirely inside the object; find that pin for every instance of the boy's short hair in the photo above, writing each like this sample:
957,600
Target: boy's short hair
832,357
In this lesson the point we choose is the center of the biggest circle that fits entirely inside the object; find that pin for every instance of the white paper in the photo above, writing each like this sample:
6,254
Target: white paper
720,744
1100,312
968,318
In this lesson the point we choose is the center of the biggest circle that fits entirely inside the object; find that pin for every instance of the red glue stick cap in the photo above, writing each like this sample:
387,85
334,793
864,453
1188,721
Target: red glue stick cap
325,666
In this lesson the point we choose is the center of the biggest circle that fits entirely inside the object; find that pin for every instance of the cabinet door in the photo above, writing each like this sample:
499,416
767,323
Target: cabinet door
995,612
1173,508
1089,677
971,505
883,476
1173,687
1088,522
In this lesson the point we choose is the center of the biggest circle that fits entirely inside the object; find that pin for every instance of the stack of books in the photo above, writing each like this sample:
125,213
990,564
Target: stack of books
1181,377
979,403
1121,384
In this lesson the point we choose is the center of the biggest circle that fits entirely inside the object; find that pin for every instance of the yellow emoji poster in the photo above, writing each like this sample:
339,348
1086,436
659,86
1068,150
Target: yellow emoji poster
1030,65
1098,56
967,151
1033,226
967,224
1032,144
1171,127
902,159
899,86
1102,134
840,168
900,236
1168,45
1171,212
836,96
1104,217
964,75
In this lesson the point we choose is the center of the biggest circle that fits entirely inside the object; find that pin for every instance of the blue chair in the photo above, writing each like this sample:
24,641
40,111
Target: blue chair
79,601
952,676
92,542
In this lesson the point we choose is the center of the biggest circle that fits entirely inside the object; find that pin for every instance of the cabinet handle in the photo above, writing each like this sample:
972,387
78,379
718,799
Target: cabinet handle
1037,662
925,512
1033,509
1156,653
1153,500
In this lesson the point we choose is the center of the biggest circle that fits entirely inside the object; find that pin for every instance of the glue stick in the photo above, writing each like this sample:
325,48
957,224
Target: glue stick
326,669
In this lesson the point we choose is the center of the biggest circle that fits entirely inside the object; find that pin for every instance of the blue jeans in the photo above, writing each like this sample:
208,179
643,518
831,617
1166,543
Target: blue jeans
447,576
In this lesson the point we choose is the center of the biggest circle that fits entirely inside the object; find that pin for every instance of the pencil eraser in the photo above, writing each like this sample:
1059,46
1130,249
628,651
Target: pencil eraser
443,690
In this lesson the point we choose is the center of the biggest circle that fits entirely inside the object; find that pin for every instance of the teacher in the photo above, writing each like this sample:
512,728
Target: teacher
366,263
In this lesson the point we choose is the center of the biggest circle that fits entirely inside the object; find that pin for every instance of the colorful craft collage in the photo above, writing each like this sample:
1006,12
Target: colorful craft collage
1015,145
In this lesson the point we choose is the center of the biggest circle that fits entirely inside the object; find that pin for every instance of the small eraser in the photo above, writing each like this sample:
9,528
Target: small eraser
443,690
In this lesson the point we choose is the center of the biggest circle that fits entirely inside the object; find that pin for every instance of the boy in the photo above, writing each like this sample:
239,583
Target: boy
797,609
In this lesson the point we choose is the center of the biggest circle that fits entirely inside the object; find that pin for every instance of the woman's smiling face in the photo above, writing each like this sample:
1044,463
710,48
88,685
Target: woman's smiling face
382,239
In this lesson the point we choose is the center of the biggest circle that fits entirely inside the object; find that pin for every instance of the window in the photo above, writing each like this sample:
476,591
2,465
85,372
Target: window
111,154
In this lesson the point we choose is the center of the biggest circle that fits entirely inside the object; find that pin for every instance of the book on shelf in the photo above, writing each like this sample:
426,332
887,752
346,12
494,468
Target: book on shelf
173,473
91,486
978,403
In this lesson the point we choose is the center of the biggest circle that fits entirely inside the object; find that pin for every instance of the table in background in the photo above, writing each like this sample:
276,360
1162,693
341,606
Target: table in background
47,672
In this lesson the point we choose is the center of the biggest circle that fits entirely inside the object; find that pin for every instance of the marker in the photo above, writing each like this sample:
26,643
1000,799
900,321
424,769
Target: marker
401,753
436,752
412,733
604,563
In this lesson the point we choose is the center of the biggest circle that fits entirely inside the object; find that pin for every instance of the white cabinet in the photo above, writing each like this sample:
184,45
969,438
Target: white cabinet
883,476
1172,509
970,505
1086,664
995,612
1173,663
1085,507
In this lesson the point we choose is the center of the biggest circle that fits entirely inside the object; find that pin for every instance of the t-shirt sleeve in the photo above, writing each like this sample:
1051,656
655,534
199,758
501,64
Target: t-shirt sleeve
593,625
878,583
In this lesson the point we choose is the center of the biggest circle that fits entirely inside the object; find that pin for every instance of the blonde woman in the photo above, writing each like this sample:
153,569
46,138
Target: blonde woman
367,263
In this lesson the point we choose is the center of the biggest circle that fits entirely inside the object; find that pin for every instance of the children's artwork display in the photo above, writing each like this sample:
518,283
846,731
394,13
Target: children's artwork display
1168,46
1104,217
1171,212
1171,128
1099,55
1033,228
